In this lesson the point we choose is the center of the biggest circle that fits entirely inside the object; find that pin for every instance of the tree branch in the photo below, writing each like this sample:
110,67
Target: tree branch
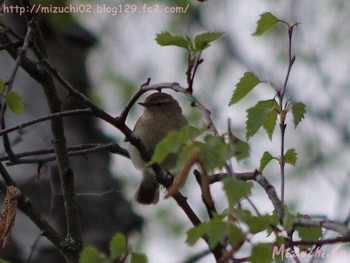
79,150
45,118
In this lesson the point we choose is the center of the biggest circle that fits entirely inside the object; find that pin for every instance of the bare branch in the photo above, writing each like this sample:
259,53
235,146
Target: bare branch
73,151
45,118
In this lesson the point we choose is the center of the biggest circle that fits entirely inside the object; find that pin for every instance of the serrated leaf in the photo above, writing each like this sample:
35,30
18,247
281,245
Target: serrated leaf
269,123
173,142
214,152
167,39
236,190
242,214
138,258
266,21
261,253
245,85
90,255
2,86
203,40
309,233
185,154
118,246
239,147
298,112
216,231
290,157
261,115
265,159
194,234
257,224
14,102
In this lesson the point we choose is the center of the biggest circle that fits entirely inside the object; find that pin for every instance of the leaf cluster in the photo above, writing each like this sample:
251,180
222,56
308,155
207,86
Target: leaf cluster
119,250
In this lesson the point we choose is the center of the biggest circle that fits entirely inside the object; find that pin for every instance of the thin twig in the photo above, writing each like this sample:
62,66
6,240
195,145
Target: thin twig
122,117
47,117
281,94
9,84
73,151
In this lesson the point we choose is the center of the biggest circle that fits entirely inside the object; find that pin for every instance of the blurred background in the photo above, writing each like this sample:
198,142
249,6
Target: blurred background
319,184
122,54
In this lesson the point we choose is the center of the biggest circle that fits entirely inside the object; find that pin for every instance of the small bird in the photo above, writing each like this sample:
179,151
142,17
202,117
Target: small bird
162,114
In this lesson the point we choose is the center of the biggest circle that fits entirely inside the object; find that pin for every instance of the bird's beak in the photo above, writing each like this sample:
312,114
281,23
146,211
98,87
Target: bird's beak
144,104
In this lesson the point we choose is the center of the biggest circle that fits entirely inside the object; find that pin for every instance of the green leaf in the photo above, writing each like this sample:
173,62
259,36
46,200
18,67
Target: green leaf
265,159
2,86
243,214
235,235
290,157
257,224
216,230
194,234
309,233
261,253
166,39
266,21
14,102
185,154
214,152
287,219
236,190
245,85
298,111
118,246
138,258
239,147
173,142
269,123
261,115
90,255
203,40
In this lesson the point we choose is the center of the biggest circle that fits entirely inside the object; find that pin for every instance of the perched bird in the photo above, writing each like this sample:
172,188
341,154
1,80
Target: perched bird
161,114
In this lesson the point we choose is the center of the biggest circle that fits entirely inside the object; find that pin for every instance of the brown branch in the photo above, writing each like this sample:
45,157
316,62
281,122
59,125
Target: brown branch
204,183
